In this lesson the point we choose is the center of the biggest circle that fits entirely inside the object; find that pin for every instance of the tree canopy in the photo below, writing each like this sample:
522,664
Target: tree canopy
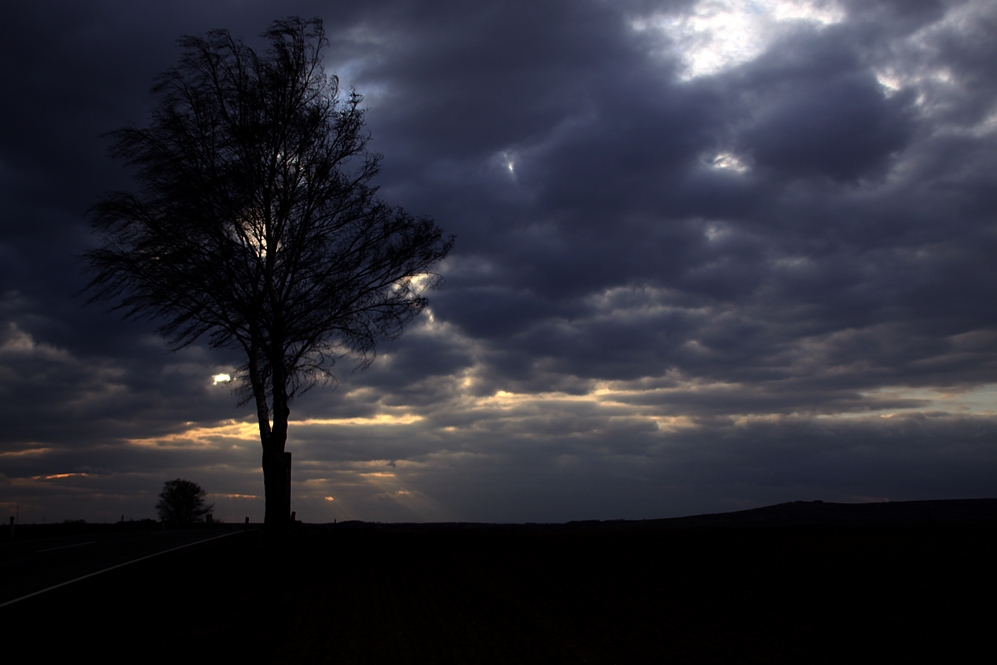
257,226
182,502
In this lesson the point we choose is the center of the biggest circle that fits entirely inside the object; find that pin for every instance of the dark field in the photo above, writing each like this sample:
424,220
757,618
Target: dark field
595,593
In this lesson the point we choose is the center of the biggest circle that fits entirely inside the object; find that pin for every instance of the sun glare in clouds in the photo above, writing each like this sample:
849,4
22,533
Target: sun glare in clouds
506,161
726,161
715,35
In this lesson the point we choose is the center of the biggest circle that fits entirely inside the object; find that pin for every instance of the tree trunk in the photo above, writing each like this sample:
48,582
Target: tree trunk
276,462
277,488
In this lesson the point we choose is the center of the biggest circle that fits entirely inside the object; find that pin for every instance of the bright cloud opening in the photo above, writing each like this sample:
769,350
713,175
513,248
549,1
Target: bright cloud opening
716,35
506,161
726,161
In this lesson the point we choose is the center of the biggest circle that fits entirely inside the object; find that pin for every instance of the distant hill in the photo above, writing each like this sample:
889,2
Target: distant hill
796,513
819,513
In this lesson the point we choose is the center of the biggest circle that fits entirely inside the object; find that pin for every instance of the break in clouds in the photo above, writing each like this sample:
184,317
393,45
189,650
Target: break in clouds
710,255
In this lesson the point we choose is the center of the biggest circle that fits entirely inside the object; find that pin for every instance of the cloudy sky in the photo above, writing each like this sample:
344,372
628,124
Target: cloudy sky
711,255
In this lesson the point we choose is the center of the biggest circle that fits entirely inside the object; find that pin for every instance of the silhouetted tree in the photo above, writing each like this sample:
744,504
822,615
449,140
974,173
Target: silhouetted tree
182,502
257,226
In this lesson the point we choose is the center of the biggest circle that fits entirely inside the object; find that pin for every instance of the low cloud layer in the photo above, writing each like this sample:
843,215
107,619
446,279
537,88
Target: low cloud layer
707,259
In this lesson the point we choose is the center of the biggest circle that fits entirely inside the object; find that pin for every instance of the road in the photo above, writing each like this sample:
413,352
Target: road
30,566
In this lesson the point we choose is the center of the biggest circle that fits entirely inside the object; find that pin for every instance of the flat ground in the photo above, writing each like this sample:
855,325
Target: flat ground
534,595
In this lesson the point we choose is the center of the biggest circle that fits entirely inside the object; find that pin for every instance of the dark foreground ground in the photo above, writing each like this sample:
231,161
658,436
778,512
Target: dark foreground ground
767,590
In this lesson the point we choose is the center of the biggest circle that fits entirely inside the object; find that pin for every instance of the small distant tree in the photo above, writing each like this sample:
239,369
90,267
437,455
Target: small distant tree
182,502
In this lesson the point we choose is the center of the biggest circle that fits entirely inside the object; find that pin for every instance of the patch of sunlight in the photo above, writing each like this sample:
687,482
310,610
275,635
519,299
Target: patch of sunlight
203,436
505,400
57,476
978,401
379,419
726,161
715,35
27,452
891,82
612,402
376,474
506,161
235,431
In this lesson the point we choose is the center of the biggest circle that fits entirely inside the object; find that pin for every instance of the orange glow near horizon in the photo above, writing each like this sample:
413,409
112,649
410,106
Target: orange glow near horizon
56,476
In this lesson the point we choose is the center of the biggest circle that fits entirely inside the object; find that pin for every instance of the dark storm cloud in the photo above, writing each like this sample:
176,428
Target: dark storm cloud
806,244
674,289
822,114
